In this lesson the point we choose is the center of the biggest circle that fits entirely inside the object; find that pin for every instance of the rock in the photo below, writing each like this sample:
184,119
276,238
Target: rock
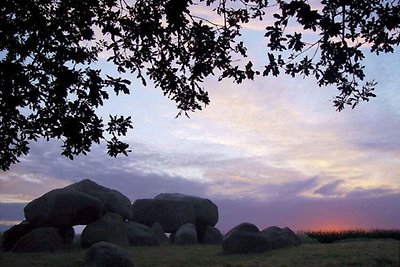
39,239
171,238
67,234
280,237
140,236
171,214
12,235
104,254
186,235
205,211
244,238
158,232
212,236
113,201
63,207
109,228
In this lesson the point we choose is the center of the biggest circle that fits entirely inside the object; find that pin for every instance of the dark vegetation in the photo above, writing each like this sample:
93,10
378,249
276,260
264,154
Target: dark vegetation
51,88
332,236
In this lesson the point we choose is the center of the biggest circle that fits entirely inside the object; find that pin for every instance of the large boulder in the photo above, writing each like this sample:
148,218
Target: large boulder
281,237
103,254
186,235
205,211
109,228
39,239
140,235
12,235
63,207
171,214
113,201
245,238
212,236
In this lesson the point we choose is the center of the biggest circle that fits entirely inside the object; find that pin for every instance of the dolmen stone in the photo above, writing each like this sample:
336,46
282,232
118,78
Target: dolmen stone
281,237
104,254
39,239
109,228
158,232
112,200
12,235
171,214
245,238
63,207
186,235
67,234
205,211
212,236
140,235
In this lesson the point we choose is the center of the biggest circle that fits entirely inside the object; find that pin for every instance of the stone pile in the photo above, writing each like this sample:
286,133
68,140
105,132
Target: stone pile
110,217
113,222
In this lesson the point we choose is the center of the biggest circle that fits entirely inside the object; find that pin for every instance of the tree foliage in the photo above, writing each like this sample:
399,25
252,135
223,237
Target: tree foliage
51,88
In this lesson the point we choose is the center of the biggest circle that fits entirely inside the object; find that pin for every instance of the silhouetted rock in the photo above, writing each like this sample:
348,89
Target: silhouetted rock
139,235
109,228
171,214
205,211
186,235
212,236
104,254
67,234
244,238
39,239
158,232
63,207
281,237
12,235
113,201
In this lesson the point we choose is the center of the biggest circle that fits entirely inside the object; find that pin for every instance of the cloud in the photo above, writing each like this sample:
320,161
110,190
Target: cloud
330,189
139,176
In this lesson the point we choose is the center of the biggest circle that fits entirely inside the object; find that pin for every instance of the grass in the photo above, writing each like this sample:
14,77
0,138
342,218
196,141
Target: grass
375,252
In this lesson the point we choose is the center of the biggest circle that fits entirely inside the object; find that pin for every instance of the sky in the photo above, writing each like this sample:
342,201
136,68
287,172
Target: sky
271,152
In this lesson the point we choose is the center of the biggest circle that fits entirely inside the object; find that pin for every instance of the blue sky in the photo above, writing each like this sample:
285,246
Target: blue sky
271,151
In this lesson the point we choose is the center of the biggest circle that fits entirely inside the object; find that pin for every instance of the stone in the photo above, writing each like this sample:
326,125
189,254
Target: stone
109,228
63,207
171,214
67,234
12,235
38,240
104,254
205,211
158,232
280,237
139,235
113,201
212,236
244,238
186,235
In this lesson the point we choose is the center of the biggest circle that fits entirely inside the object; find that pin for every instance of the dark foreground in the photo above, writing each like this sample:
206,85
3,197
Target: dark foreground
375,252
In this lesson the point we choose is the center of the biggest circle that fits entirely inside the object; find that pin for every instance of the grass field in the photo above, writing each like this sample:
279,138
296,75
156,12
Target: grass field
373,253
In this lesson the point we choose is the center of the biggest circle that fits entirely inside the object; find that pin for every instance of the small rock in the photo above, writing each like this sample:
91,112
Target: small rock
104,254
109,228
186,235
212,236
244,238
39,239
12,235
